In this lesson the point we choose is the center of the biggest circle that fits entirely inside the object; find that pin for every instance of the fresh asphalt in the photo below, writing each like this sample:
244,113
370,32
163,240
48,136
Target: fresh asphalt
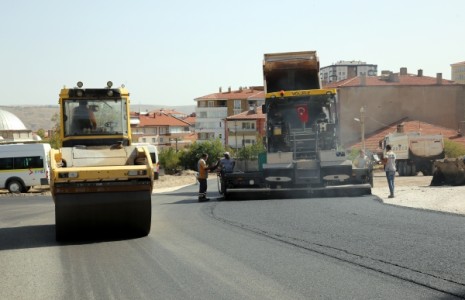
331,248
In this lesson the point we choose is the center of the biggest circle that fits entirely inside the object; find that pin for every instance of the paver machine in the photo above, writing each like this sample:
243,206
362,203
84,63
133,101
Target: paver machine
303,156
100,182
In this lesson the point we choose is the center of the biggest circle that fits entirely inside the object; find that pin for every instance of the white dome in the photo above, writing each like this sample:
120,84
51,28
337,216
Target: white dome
9,121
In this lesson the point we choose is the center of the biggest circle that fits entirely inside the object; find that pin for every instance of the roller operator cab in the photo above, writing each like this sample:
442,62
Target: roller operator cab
101,183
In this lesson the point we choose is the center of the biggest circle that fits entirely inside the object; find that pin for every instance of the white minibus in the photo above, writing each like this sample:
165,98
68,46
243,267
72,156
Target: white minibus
154,156
23,166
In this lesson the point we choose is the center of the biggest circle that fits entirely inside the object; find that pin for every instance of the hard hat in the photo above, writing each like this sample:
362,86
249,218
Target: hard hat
226,154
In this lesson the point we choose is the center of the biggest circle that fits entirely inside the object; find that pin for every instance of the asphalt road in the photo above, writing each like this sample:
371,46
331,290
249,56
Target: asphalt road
334,248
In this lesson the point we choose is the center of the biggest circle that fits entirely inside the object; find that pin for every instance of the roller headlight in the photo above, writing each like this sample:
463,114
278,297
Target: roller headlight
137,172
68,175
109,84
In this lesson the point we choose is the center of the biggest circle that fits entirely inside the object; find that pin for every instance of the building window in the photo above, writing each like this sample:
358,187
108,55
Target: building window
237,104
154,140
248,125
211,103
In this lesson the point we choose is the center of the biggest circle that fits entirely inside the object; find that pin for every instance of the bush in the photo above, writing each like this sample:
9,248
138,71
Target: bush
169,160
453,149
190,156
250,152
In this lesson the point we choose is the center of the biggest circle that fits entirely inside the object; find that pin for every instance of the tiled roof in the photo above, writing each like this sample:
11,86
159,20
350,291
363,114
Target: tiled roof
458,64
237,95
372,140
248,115
166,111
161,120
409,79
191,120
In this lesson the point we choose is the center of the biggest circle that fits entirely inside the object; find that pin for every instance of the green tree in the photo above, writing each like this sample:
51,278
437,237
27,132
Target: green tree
55,138
191,155
251,152
169,160
453,149
41,133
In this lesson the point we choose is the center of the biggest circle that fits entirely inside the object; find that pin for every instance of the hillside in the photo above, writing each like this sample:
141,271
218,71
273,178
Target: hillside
37,117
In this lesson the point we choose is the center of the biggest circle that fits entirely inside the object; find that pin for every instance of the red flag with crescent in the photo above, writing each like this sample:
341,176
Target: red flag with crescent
302,112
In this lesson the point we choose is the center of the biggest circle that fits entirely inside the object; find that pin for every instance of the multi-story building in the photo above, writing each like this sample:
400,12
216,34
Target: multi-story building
160,129
246,128
212,110
458,72
347,69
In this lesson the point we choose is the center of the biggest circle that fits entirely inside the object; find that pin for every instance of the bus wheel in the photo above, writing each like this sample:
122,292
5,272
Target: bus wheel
14,186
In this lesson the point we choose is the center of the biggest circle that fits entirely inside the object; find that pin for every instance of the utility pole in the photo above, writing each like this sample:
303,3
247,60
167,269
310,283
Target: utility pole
362,124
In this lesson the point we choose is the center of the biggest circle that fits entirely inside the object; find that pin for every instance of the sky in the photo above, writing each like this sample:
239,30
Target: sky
171,52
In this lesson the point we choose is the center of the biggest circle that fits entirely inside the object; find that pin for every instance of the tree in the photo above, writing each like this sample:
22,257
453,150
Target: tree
55,138
190,156
251,152
169,160
41,133
453,149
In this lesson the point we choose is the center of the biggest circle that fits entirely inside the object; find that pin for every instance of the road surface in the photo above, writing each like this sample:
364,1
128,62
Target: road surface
336,248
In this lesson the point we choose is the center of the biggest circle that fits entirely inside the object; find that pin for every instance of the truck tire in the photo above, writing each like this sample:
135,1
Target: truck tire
414,171
408,169
401,168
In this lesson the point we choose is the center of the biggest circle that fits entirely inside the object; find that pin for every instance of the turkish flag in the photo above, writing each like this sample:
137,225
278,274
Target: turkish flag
302,112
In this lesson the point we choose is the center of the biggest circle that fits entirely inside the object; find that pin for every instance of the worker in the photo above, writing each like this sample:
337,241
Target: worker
203,169
226,164
361,161
83,118
390,169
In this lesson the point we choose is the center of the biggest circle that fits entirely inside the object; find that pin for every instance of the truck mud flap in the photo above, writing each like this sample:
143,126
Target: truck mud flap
355,190
103,215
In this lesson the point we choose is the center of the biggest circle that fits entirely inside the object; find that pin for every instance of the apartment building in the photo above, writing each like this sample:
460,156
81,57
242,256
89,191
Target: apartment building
213,109
246,128
161,129
458,72
347,69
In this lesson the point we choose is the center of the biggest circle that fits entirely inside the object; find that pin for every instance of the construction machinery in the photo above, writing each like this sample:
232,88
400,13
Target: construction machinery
415,152
100,182
303,154
449,171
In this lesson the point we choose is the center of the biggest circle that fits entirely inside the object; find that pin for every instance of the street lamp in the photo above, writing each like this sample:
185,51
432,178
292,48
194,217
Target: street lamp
362,125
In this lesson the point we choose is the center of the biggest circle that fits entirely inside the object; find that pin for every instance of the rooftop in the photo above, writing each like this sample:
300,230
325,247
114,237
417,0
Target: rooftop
372,140
241,93
9,121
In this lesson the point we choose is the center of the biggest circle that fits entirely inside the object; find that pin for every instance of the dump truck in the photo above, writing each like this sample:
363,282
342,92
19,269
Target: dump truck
303,155
100,182
414,151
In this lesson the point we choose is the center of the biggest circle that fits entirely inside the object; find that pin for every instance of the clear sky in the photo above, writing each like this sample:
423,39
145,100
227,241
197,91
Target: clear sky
171,52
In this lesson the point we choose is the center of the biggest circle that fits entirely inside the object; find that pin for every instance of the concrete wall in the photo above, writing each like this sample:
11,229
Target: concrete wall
442,105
